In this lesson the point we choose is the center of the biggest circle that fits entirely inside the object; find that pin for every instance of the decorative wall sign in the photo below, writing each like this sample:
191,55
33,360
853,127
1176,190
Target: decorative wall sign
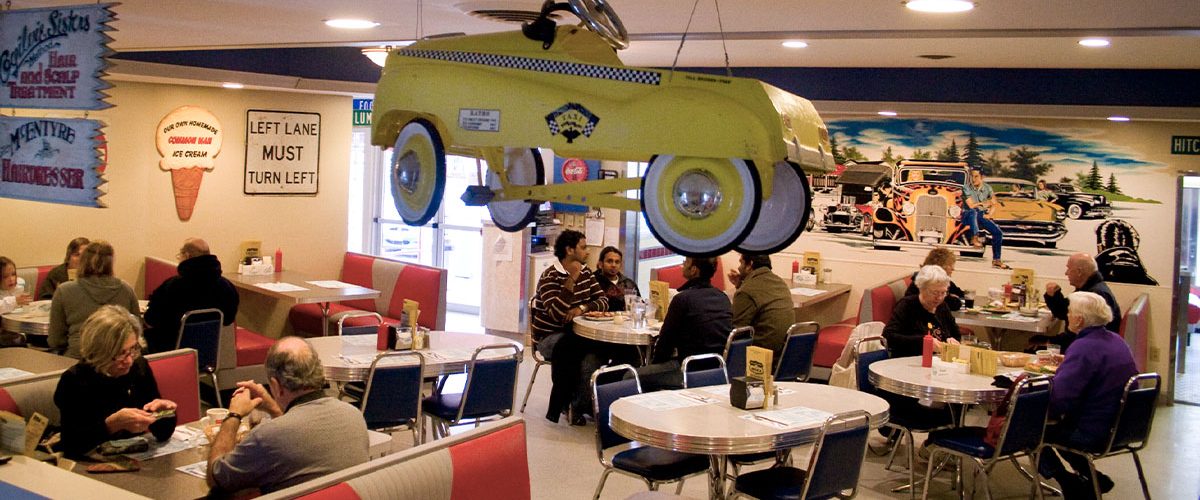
188,138
283,149
573,170
55,57
50,159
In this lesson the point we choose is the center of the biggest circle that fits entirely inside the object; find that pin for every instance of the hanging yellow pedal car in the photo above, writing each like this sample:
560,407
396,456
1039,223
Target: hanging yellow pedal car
728,156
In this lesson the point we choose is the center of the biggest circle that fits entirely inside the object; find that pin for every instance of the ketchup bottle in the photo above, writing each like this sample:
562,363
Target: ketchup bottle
927,347
278,260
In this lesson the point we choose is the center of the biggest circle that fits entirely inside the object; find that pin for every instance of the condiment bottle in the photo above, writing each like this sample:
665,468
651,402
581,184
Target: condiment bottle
278,260
927,347
795,269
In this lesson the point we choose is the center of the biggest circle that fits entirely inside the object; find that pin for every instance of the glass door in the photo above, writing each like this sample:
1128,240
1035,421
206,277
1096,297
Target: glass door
1185,346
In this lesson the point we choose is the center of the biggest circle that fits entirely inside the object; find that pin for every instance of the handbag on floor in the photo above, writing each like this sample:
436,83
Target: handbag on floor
995,423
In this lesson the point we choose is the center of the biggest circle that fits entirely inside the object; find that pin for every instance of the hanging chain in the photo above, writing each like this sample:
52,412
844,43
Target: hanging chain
683,39
721,26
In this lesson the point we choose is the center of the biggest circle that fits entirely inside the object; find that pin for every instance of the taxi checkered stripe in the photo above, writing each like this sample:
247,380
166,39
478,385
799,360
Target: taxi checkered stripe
540,65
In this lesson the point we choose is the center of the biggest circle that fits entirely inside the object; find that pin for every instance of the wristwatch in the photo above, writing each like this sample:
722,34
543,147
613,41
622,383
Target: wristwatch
233,414
583,307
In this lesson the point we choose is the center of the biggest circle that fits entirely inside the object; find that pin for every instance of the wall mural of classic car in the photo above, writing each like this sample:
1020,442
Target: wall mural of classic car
1021,216
924,205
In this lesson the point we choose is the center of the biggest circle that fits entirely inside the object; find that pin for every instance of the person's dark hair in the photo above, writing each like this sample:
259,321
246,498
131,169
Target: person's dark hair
5,262
566,239
757,260
706,266
74,246
295,370
97,259
607,250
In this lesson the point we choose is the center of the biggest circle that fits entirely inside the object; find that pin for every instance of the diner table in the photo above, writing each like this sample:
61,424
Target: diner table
348,358
299,288
607,330
25,477
20,361
33,320
999,325
702,421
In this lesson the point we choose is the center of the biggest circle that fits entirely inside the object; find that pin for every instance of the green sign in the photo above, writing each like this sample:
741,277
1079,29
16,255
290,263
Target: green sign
362,112
1185,145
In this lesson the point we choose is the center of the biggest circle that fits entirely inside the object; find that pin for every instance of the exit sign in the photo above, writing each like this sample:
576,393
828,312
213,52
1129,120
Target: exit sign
362,112
1185,145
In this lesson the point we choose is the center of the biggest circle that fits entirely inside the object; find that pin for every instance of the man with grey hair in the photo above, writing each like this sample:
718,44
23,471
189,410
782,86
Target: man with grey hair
914,316
199,285
309,435
1082,274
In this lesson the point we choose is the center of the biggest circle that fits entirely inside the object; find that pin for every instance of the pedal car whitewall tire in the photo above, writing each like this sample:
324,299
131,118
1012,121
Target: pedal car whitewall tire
700,207
784,215
418,172
523,167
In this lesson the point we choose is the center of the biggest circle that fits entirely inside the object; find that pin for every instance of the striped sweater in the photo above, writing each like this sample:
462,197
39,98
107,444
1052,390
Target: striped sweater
553,300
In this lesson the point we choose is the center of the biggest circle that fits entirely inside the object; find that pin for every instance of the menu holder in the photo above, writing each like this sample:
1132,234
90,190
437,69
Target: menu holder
660,296
812,262
985,361
758,366
949,352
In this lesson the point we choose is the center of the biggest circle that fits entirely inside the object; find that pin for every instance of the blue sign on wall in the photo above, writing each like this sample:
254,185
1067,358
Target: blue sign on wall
49,159
54,58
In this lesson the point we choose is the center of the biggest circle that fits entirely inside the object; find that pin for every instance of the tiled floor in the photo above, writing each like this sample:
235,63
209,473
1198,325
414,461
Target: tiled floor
1187,385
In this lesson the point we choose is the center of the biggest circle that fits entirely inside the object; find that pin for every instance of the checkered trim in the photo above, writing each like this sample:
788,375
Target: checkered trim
540,65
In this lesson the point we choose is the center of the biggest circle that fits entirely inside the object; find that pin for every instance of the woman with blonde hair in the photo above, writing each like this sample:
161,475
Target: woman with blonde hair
75,301
945,259
111,393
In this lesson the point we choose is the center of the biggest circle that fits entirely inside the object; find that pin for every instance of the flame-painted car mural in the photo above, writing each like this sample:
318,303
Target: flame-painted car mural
1021,216
1078,204
924,205
728,156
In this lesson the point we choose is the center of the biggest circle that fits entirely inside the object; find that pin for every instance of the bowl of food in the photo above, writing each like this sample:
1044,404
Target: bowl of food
1014,359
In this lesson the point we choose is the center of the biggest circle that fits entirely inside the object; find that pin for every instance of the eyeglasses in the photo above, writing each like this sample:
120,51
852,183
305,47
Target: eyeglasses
132,352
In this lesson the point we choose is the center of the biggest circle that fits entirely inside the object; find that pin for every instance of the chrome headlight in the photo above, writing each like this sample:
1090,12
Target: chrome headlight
908,208
955,211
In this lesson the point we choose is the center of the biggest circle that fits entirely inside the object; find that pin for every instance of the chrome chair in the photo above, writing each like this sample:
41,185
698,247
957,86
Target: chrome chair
353,391
538,362
704,376
393,394
201,330
833,468
898,421
652,465
1021,435
490,391
797,357
1131,429
735,350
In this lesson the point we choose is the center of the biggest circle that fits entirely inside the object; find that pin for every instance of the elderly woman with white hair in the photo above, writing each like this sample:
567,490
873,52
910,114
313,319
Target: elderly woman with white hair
1087,394
924,313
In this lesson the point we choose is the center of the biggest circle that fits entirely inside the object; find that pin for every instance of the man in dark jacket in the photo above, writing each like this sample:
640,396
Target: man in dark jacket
697,322
1082,273
199,285
763,301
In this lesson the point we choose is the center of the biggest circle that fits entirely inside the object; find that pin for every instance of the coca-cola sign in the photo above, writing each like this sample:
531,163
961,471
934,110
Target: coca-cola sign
574,170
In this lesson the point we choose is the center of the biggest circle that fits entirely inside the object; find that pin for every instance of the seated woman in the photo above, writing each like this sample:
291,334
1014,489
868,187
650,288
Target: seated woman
926,312
944,259
12,287
75,301
111,393
1087,392
62,273
615,285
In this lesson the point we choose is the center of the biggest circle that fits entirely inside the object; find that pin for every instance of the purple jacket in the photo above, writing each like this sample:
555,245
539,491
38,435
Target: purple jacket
1089,383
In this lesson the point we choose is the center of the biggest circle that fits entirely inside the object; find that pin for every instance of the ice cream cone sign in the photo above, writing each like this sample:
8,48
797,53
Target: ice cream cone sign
189,139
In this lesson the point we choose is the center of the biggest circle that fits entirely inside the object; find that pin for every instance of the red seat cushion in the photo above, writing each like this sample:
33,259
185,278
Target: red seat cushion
8,404
357,269
883,301
422,284
830,342
157,271
251,347
340,491
178,381
493,466
673,275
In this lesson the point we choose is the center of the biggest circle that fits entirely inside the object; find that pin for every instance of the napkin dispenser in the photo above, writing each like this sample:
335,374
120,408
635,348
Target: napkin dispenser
254,266
747,393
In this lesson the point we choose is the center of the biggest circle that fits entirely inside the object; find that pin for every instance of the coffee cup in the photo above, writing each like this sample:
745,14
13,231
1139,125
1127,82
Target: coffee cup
217,415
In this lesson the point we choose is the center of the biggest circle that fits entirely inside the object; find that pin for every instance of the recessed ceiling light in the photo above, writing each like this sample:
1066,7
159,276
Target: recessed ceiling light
232,85
887,113
350,24
1118,118
1094,42
795,44
940,6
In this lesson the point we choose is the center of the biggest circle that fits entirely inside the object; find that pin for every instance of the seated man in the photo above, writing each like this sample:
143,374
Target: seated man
309,435
615,285
697,322
199,285
1082,273
1086,394
763,301
565,291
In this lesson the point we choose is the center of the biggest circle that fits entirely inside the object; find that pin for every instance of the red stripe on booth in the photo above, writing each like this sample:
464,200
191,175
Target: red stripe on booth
356,269
340,491
8,404
179,381
476,474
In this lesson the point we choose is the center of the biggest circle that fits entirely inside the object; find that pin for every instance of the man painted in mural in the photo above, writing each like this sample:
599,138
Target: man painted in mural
979,198
1117,258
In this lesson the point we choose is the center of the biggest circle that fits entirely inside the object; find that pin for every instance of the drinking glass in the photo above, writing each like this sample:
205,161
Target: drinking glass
639,314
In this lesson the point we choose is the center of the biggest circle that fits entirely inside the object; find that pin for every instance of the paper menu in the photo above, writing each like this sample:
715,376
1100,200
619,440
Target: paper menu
280,287
794,417
667,400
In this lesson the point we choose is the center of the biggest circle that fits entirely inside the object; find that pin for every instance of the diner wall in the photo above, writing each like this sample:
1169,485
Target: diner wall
140,217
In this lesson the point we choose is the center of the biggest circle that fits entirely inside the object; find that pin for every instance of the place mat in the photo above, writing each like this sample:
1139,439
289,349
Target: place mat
666,400
198,469
280,287
11,373
184,438
797,416
807,292
360,340
331,284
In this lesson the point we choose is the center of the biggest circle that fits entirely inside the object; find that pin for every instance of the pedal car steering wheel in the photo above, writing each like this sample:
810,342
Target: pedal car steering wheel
602,19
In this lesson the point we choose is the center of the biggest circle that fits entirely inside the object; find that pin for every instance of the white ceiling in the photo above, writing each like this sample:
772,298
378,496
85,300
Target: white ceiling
1160,34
